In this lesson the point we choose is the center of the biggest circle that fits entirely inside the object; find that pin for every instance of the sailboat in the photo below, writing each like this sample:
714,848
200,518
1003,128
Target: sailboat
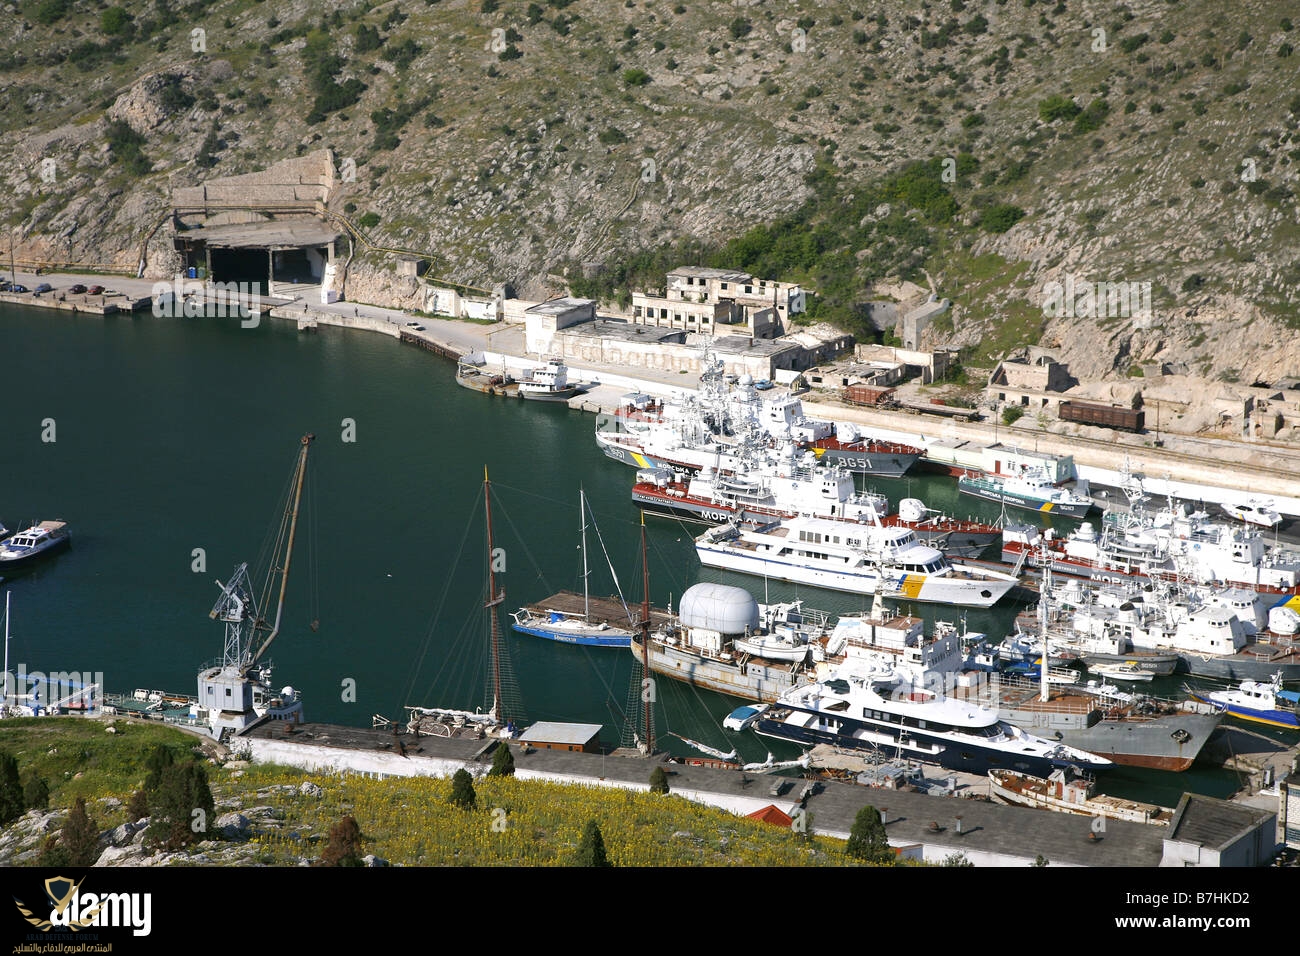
500,719
569,627
237,693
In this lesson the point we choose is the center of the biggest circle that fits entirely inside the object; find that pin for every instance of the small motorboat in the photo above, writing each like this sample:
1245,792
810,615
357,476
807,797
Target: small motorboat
1253,511
1122,670
1263,702
35,542
742,718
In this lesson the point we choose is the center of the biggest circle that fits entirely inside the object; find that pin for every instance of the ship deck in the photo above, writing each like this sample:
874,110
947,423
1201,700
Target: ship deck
604,610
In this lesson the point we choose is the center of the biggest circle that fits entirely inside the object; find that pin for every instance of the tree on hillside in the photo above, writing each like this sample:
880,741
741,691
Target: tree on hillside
36,793
503,762
591,851
80,836
182,807
462,790
159,759
11,790
344,848
658,780
867,840
137,808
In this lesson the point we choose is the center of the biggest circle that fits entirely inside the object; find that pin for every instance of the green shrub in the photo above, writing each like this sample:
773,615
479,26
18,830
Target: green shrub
1057,107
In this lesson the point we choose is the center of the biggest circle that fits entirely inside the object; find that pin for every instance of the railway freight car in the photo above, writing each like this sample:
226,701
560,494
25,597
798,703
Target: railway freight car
1107,416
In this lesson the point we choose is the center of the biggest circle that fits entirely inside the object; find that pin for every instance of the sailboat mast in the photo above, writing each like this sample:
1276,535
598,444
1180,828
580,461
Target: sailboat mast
494,598
1044,589
586,601
6,691
288,551
646,699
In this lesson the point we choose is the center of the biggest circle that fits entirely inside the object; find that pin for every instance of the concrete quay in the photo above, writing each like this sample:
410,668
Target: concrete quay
1188,466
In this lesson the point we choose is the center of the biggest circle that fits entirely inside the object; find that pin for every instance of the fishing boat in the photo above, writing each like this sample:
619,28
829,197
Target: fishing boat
1030,488
548,382
570,628
30,545
1127,671
859,712
1068,792
1253,511
855,558
1262,702
503,715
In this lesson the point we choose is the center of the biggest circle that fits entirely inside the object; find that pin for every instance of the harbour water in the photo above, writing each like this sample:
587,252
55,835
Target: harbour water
166,445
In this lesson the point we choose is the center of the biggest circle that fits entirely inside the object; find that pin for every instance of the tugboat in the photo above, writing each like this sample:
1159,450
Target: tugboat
39,540
549,382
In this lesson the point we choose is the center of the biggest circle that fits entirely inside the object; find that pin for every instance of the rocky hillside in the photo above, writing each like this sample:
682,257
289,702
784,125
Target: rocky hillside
986,149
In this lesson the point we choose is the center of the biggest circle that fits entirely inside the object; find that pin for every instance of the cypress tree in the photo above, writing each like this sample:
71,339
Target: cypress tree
867,840
658,780
462,790
36,793
80,836
11,790
182,806
591,851
503,762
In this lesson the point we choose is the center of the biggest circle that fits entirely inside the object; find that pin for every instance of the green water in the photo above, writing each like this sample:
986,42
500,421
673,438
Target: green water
172,435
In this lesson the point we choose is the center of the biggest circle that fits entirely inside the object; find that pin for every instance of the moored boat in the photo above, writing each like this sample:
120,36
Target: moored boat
1067,792
1031,488
1262,702
570,628
850,557
1129,671
1253,511
27,546
854,711
548,382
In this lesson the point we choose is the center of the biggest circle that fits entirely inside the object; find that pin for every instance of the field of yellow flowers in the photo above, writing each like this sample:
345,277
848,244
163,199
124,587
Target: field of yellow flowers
524,823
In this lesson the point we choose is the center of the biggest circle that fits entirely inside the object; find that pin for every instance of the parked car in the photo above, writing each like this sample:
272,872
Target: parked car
77,289
4,285
763,385
44,287
18,288
95,290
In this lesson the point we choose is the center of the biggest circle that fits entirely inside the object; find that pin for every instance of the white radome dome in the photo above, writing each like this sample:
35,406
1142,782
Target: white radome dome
719,607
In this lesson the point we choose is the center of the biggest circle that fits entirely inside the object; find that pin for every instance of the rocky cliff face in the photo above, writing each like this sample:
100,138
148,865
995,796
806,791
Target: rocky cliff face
1144,142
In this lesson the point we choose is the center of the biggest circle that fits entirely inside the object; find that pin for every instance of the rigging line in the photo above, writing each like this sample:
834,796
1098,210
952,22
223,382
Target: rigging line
442,601
532,494
612,573
521,538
